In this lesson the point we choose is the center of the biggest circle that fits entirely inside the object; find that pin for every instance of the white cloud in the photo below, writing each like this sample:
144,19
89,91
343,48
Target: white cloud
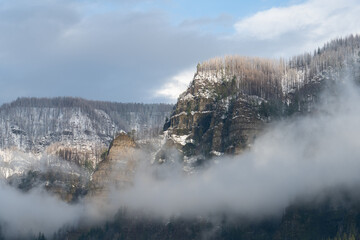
176,85
316,21
61,45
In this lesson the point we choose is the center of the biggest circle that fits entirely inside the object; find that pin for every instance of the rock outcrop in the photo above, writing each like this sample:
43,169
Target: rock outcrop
211,118
118,168
231,99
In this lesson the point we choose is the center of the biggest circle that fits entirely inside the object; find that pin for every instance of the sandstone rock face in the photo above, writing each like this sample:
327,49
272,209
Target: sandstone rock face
70,182
118,169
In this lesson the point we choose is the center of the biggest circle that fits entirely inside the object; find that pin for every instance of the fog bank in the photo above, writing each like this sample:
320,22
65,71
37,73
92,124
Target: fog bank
26,214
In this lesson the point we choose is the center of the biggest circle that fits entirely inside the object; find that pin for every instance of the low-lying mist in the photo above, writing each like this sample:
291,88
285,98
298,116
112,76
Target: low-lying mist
27,214
298,159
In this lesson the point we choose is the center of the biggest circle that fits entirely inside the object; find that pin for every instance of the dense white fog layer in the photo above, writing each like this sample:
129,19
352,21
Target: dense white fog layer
24,214
300,158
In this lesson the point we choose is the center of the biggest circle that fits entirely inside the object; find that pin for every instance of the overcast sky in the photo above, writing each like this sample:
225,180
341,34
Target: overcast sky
147,50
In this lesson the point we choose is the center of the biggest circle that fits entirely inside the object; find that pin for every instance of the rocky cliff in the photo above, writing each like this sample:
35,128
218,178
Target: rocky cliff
232,99
212,118
118,168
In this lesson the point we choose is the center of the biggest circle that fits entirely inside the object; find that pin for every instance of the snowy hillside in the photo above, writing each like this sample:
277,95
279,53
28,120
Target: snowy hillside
70,128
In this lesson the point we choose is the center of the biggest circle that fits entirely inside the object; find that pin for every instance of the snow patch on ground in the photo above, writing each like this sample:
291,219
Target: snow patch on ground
216,153
179,139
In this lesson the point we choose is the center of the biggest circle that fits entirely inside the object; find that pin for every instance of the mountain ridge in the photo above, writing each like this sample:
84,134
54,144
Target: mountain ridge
74,129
